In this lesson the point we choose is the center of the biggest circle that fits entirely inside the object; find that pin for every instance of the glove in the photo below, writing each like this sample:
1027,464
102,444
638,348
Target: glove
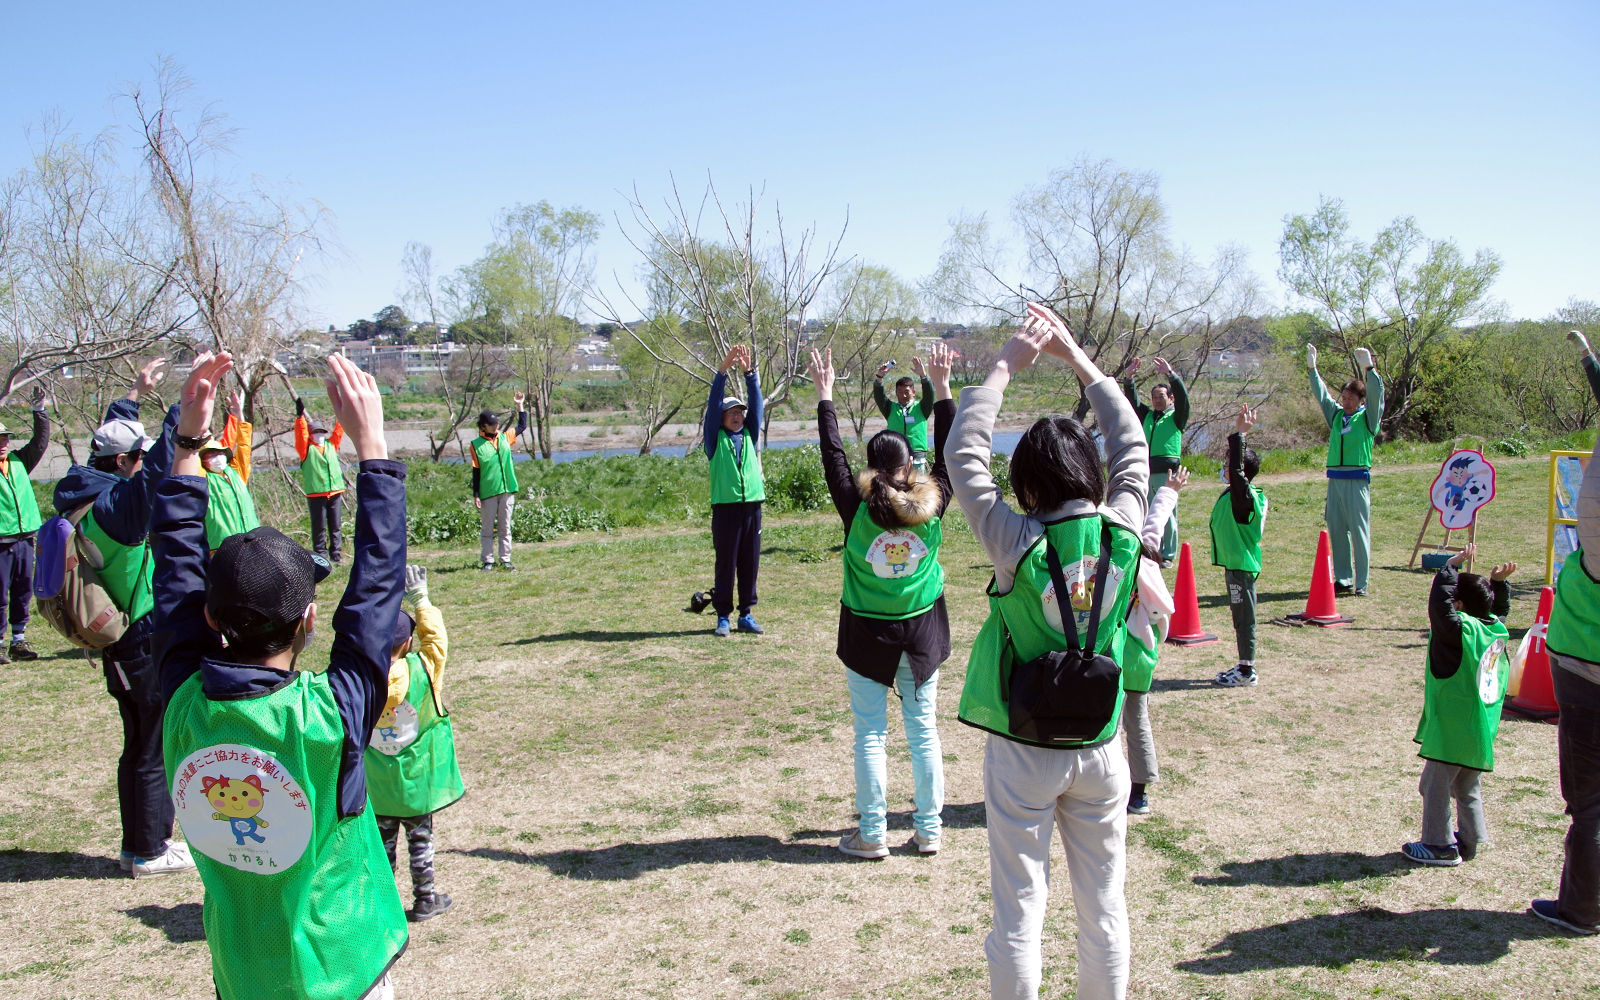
299,407
416,583
1311,356
1363,358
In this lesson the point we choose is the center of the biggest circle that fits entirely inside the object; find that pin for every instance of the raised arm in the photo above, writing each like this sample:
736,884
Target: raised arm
713,421
926,404
1240,502
835,463
30,453
1374,396
940,361
755,413
302,429
879,398
1180,401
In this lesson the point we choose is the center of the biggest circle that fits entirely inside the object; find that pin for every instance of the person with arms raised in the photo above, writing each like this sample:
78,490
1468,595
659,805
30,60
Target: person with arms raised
231,510
1353,425
904,416
494,482
733,444
19,524
1163,421
321,478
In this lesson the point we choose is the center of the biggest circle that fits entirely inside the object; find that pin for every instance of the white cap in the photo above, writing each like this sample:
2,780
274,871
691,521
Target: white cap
116,437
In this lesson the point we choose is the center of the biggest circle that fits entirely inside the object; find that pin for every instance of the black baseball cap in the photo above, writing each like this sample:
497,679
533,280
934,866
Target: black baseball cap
403,627
260,582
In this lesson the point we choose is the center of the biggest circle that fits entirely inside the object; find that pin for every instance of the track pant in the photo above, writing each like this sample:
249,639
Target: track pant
1349,516
1242,602
325,540
1027,790
131,678
1441,783
736,538
1141,738
1578,749
16,583
496,510
419,843
869,707
1169,537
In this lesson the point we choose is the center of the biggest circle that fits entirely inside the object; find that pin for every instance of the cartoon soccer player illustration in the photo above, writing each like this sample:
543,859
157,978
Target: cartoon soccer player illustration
897,555
1464,484
238,802
1455,488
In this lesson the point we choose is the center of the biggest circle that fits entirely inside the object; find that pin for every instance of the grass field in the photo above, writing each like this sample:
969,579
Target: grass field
651,810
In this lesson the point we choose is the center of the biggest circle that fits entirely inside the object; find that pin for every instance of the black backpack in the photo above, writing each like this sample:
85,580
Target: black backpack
1064,696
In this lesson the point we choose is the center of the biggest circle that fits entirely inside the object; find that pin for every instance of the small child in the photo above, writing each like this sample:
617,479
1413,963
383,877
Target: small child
1236,521
1147,629
411,761
1460,707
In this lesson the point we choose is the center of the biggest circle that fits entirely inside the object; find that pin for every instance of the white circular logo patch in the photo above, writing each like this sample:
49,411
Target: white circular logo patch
1079,578
396,729
1489,672
895,554
240,807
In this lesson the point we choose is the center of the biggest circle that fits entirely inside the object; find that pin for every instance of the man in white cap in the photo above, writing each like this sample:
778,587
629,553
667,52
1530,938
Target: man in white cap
19,523
737,492
125,464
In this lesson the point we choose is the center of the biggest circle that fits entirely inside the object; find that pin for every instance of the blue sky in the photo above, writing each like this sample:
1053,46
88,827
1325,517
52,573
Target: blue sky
413,121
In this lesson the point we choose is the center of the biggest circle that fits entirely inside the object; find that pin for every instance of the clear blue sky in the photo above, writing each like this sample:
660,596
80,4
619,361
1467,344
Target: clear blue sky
420,121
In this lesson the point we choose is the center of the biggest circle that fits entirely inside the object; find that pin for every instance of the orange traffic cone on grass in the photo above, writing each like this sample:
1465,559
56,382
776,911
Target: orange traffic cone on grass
1184,629
1321,606
1535,695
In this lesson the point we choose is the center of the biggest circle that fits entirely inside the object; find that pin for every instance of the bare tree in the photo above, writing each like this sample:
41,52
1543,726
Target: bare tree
657,391
875,315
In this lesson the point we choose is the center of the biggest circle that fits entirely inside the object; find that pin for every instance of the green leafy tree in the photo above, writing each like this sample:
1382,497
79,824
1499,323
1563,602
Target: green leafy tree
873,314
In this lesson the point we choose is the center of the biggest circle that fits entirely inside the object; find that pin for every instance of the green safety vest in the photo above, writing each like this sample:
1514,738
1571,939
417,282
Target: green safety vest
736,480
892,573
496,472
1161,433
229,508
1461,713
1350,439
1138,663
321,471
411,761
908,420
1027,611
1235,545
19,506
126,571
299,903
1574,628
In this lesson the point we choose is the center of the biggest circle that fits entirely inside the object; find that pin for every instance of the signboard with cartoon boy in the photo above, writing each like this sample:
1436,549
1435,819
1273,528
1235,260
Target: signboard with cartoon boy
1465,483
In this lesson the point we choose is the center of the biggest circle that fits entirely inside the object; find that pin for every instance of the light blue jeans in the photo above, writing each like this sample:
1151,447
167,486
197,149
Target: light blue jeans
869,703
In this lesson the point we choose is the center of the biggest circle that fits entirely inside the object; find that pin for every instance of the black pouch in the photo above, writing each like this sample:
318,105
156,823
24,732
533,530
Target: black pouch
1064,696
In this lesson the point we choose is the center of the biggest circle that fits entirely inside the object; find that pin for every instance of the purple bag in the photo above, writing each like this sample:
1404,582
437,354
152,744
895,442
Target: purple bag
54,545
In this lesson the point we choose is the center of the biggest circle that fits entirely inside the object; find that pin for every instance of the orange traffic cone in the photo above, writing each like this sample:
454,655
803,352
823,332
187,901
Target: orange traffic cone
1321,606
1184,629
1536,696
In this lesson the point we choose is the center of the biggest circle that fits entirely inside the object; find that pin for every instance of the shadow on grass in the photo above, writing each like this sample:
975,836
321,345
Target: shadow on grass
629,861
1334,940
597,636
955,816
1181,683
1221,600
181,923
18,865
1308,869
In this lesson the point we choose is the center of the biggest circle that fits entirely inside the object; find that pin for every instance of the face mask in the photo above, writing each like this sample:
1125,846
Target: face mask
216,461
319,439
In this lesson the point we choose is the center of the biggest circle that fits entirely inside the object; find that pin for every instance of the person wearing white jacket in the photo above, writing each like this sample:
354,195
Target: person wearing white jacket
1147,630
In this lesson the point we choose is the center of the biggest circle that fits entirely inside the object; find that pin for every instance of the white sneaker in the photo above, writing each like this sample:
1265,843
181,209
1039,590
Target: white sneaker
175,861
924,845
1234,677
854,846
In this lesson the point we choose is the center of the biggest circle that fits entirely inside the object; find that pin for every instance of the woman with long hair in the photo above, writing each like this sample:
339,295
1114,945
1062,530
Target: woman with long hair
893,628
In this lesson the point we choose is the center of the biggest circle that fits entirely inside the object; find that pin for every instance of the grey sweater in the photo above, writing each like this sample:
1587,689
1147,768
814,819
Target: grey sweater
1005,534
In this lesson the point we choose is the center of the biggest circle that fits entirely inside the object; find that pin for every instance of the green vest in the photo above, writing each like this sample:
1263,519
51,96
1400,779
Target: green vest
1461,713
127,571
411,761
229,508
321,471
1574,628
736,480
908,420
1350,440
893,573
496,474
19,507
1235,545
1029,611
1161,433
1139,663
299,903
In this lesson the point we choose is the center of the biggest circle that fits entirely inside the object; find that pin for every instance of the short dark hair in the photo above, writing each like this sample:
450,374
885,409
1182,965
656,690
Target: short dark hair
1356,386
904,380
1464,462
108,463
1162,385
1475,595
1056,461
1252,464
888,454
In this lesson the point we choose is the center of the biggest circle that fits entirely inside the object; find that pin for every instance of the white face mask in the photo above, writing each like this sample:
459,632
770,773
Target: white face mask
216,461
319,439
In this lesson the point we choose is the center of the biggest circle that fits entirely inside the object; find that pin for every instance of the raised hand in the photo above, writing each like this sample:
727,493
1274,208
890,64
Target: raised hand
199,394
883,370
1503,571
1577,337
147,378
236,406
1245,420
1311,356
1163,366
916,365
822,373
940,360
357,406
1363,358
1467,552
732,359
519,397
416,583
1134,366
1178,480
41,399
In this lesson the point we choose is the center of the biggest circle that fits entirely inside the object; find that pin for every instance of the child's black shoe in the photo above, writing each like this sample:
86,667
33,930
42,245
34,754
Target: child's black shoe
428,907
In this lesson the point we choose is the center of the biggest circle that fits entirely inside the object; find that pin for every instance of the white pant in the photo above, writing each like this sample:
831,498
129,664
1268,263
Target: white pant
1027,790
496,508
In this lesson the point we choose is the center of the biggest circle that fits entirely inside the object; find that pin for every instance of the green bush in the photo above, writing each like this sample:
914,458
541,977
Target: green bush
794,479
1000,468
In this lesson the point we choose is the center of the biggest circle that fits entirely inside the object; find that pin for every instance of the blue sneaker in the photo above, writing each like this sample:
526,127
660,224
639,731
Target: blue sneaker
748,624
722,625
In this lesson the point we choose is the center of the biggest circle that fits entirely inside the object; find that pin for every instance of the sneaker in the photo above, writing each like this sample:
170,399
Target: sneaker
1359,592
1139,804
336,558
1342,590
3,657
924,845
1545,909
1466,850
487,567
125,861
175,861
854,846
698,602
507,565
1425,854
748,624
428,907
1235,677
722,625
20,650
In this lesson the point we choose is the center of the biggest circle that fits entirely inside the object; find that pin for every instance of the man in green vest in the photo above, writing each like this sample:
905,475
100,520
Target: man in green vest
120,481
1164,421
1353,424
231,510
265,763
1236,522
494,481
732,443
904,416
321,478
19,522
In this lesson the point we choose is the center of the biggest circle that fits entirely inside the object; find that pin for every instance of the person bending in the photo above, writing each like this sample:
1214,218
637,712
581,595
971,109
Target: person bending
321,479
904,416
1236,521
494,482
1164,421
1353,424
732,442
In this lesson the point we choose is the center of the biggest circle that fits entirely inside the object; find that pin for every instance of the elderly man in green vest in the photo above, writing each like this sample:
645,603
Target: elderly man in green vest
1353,424
904,416
494,481
1164,422
19,522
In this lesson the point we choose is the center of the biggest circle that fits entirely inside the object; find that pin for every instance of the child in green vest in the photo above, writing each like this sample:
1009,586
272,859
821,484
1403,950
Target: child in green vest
1353,424
494,482
1163,421
1148,617
230,510
1236,521
733,444
904,416
411,761
19,521
265,762
1463,688
321,478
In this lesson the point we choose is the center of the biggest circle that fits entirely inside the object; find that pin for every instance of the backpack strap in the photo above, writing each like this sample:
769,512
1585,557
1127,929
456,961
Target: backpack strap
77,514
1063,596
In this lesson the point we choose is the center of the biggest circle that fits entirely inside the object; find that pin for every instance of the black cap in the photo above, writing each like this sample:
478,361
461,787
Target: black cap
402,628
260,582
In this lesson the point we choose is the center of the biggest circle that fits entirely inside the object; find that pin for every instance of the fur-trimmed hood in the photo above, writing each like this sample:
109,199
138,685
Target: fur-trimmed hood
918,504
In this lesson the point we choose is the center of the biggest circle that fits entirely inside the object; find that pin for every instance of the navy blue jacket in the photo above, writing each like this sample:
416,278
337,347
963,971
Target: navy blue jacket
121,506
363,625
753,414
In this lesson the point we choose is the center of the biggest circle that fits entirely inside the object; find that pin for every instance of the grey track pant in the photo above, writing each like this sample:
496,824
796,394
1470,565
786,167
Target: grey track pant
1242,602
1141,739
496,511
1440,783
1349,516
